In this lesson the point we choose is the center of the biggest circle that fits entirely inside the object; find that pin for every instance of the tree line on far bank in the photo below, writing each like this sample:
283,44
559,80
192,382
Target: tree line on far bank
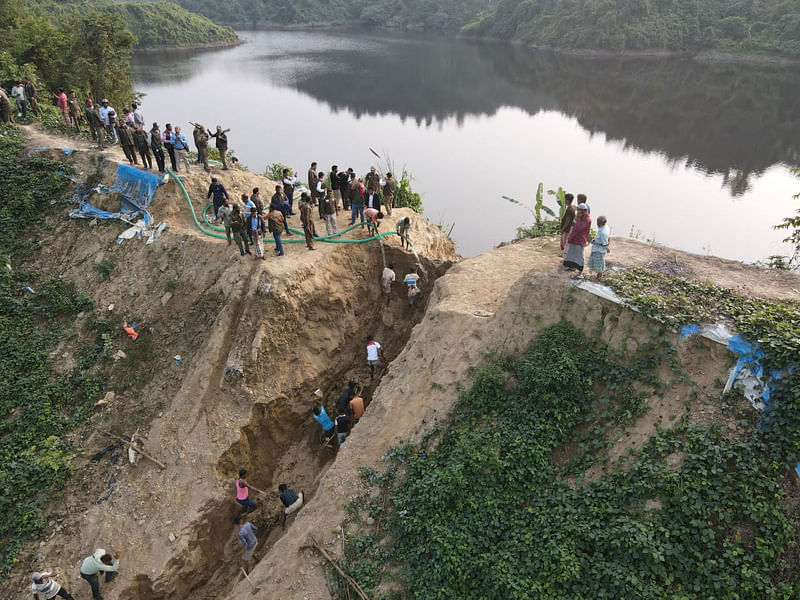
87,46
770,27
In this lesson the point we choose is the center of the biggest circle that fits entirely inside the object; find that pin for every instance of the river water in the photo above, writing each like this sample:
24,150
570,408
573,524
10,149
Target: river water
694,156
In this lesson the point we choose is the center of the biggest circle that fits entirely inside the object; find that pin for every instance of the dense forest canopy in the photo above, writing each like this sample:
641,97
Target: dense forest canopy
87,46
741,26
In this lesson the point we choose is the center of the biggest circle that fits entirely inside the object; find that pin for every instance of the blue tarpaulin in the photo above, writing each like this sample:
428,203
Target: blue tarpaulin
136,188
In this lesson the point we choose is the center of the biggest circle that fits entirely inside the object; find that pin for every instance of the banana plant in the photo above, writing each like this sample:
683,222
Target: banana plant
538,206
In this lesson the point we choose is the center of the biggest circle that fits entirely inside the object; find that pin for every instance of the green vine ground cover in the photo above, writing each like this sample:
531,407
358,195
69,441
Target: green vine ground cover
488,512
37,407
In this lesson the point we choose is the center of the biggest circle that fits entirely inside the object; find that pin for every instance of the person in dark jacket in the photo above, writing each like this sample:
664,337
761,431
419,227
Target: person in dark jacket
306,209
157,146
222,145
126,141
344,188
31,97
142,146
220,195
291,501
96,125
373,199
166,139
239,229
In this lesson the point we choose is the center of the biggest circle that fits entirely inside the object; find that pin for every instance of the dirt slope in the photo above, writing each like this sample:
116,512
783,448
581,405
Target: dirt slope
255,338
490,304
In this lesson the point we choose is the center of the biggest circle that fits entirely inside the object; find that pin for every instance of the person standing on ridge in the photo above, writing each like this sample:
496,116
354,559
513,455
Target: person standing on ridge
239,228
201,141
224,214
181,149
246,535
577,240
289,182
96,125
220,135
18,94
157,146
166,138
344,189
373,199
329,213
291,501
243,494
126,141
319,193
99,562
276,224
75,112
31,97
45,587
306,208
220,194
136,114
6,110
389,187
108,114
374,355
143,147
357,202
597,257
257,229
335,184
567,219
312,179
372,179
63,104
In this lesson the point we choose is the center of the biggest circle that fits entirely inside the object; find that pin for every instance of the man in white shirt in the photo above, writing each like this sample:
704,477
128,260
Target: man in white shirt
44,587
374,355
108,114
18,93
411,281
387,279
288,188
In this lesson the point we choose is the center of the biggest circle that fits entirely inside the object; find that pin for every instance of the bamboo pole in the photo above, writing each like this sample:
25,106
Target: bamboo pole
132,445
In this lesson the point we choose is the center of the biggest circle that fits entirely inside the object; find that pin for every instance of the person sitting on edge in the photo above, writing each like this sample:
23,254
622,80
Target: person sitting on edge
321,417
99,562
291,501
243,493
44,587
402,228
246,535
411,281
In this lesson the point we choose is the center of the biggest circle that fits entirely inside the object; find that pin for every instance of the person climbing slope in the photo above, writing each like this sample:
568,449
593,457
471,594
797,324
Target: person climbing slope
291,501
243,493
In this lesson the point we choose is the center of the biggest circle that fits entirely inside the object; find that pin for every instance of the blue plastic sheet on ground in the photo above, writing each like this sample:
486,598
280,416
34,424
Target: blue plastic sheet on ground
689,330
136,188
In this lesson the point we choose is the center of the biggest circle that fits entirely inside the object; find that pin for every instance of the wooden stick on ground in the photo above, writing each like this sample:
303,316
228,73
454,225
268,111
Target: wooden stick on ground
132,445
353,583
254,589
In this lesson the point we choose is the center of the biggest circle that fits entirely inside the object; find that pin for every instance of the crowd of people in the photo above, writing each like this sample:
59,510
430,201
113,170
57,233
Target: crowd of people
576,226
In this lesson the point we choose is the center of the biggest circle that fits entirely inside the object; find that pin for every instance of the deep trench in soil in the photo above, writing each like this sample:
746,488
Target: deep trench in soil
282,441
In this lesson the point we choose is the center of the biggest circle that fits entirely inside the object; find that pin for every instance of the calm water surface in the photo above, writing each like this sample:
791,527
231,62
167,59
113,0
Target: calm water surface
689,155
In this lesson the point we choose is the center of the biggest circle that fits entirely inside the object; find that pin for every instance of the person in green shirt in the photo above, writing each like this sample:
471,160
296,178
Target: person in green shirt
100,561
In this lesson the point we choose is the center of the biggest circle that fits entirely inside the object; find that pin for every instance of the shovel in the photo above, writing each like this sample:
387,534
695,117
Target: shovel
254,589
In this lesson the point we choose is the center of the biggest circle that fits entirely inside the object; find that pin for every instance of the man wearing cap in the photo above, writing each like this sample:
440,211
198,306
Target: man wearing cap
99,562
108,114
44,587
222,145
578,238
201,141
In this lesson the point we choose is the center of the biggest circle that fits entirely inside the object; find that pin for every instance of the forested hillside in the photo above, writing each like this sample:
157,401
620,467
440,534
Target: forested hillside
766,26
741,26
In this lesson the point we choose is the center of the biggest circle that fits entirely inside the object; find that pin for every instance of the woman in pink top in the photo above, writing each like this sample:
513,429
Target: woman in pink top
243,493
63,105
578,238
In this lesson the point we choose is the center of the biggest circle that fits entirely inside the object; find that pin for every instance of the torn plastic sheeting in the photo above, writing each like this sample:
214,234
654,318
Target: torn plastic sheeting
689,330
140,229
598,289
33,151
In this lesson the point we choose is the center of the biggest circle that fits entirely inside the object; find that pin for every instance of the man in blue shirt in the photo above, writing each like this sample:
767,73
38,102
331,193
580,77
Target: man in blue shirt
181,149
247,535
321,417
220,195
